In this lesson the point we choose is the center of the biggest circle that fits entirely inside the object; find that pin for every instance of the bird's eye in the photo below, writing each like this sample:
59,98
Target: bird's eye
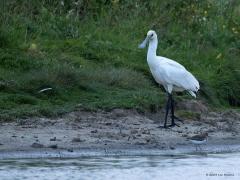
151,35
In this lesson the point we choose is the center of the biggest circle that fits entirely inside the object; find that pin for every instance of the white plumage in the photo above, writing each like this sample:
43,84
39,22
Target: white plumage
172,75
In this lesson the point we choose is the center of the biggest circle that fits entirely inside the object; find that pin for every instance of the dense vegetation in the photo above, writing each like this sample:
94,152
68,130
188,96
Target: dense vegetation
86,51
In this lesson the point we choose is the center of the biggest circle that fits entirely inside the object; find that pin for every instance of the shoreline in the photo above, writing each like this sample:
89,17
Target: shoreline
137,151
116,133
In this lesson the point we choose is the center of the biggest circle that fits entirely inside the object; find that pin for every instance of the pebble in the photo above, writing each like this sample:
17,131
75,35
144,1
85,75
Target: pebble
211,130
148,140
76,139
70,150
53,139
53,146
145,131
140,143
118,113
94,131
37,145
134,131
124,135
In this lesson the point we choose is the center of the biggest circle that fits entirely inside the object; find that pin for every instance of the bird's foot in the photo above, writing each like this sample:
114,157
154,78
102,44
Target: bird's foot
169,126
164,126
174,124
178,119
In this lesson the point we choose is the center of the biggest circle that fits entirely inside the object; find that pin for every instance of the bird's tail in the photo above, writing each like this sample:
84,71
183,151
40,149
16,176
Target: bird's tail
192,93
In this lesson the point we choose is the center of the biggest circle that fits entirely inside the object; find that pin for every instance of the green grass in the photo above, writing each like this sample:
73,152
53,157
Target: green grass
87,53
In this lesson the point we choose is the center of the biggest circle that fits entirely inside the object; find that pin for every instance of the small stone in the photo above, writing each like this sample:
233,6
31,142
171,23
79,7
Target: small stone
133,131
35,136
118,112
145,131
108,124
14,136
53,146
76,139
148,140
172,147
124,135
37,145
211,130
184,135
136,124
70,150
53,139
94,131
140,143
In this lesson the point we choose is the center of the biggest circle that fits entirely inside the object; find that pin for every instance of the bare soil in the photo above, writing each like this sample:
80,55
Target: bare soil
119,129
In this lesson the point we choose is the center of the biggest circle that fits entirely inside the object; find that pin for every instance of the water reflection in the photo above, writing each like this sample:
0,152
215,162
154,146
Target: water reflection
194,167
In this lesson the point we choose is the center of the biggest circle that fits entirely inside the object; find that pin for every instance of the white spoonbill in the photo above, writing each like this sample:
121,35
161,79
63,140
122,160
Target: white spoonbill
172,75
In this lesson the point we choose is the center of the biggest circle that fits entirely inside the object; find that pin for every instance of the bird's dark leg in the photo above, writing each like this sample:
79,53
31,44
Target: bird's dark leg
173,115
167,109
172,111
166,113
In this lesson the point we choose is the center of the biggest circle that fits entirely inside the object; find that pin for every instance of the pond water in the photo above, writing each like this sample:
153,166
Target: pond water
194,167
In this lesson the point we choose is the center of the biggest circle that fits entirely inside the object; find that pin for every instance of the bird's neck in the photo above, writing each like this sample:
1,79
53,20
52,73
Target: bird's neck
152,48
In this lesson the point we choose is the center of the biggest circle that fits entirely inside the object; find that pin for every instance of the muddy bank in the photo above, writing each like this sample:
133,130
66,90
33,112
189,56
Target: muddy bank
118,132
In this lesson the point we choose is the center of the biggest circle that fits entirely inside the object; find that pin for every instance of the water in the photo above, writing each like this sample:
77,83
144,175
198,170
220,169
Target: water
194,167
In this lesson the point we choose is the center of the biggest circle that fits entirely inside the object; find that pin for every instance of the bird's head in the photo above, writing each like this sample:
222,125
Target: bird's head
151,35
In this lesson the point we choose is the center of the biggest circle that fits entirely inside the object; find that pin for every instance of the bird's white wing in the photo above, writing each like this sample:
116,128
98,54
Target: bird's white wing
171,62
177,76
